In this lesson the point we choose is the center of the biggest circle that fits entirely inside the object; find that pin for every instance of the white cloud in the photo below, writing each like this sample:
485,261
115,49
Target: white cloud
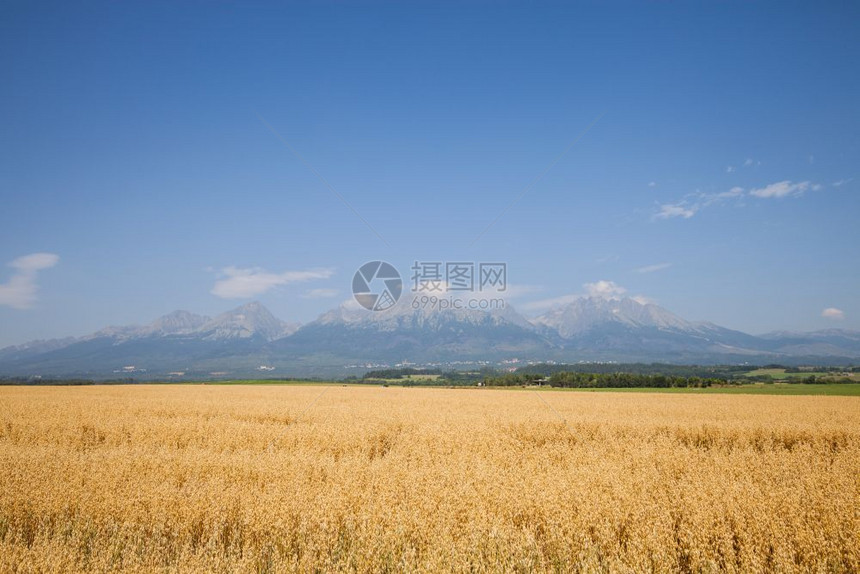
730,169
35,262
653,268
733,192
320,293
20,291
241,283
833,313
669,210
784,189
605,289
652,184
842,182
602,289
693,203
748,162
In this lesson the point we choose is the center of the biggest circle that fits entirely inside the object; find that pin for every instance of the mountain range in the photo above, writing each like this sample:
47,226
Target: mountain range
250,341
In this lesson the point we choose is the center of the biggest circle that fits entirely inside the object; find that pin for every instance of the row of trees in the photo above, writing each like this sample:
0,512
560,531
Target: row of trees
704,371
843,369
600,380
402,373
40,381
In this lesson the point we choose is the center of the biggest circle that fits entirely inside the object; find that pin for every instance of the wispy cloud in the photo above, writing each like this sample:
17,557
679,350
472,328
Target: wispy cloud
320,293
652,184
653,268
670,210
748,162
730,169
21,290
833,313
604,288
842,182
693,203
241,283
784,189
733,192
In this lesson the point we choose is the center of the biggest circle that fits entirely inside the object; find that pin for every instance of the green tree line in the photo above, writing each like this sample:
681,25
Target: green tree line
601,380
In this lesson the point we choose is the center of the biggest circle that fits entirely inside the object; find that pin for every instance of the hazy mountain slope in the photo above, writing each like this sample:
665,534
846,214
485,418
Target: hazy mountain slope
585,313
248,321
34,348
606,327
178,341
829,342
249,340
406,334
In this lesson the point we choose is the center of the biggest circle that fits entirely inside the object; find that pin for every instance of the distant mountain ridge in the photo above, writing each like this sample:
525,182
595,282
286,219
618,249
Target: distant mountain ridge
171,343
249,340
403,334
587,312
823,342
249,320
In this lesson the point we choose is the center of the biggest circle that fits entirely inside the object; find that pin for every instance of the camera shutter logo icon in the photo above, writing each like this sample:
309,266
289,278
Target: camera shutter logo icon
377,286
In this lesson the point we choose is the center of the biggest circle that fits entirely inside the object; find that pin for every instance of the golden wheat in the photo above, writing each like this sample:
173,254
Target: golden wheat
269,479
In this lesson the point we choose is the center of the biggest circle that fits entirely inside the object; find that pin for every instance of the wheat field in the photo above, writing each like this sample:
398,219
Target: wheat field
370,479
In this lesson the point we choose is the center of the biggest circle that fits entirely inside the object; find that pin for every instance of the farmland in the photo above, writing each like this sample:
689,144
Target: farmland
783,374
794,389
360,478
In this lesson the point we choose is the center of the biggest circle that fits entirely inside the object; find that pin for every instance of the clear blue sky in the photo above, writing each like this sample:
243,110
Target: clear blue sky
721,179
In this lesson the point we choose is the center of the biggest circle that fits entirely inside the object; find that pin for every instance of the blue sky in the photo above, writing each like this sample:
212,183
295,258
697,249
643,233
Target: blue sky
137,169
